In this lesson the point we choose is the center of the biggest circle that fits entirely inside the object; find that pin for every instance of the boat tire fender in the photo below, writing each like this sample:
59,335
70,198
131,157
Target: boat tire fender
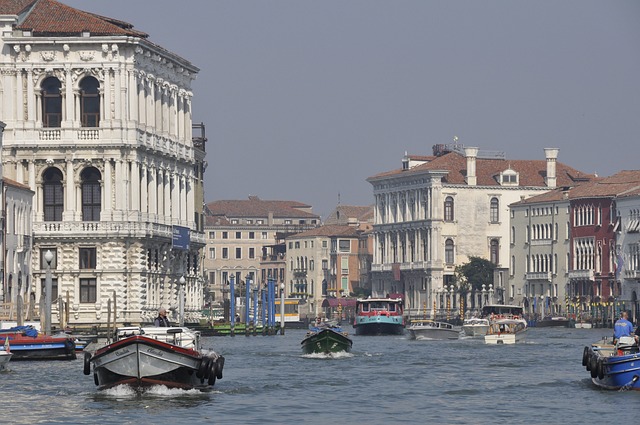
600,369
220,362
87,363
585,356
203,370
212,372
593,366
95,378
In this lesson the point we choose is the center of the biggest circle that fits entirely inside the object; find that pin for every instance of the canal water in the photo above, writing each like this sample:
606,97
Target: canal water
384,380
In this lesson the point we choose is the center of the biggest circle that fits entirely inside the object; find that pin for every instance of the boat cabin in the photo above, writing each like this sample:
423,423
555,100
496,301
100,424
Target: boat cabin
502,310
379,306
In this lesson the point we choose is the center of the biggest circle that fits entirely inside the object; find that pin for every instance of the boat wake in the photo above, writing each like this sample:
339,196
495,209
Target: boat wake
129,392
322,356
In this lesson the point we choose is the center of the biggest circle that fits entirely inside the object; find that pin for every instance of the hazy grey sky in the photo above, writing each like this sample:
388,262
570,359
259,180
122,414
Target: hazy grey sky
303,100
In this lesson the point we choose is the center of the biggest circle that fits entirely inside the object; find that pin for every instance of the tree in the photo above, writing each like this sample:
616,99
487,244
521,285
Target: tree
477,272
471,276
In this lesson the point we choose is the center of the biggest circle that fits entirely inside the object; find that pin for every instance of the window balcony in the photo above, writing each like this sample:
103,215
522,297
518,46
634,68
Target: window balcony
581,274
546,276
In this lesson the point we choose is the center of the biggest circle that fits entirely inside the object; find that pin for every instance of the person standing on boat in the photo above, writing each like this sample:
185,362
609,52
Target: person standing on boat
623,327
162,321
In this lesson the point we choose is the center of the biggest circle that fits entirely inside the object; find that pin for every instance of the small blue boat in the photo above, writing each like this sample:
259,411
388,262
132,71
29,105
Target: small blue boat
613,366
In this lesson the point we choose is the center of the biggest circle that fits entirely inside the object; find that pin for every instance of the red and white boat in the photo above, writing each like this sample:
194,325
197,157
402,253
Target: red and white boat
29,344
148,356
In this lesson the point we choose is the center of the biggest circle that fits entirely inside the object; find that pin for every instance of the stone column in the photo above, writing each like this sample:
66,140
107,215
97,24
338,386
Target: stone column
69,100
153,192
107,97
167,197
30,97
161,183
175,198
69,213
107,207
135,186
144,190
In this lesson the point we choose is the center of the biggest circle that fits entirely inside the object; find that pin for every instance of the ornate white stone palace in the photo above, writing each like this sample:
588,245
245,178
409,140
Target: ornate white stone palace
99,126
437,211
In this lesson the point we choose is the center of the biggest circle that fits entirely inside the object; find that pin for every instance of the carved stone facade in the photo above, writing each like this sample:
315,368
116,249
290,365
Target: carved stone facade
99,127
436,212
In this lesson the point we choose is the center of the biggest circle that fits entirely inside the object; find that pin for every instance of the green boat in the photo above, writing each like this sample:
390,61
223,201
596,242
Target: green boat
325,340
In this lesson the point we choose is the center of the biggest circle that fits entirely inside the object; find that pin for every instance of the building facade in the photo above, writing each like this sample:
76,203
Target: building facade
99,126
540,259
323,263
242,237
572,247
436,212
627,261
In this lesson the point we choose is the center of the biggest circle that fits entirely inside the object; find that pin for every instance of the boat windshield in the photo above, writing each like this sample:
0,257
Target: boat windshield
378,306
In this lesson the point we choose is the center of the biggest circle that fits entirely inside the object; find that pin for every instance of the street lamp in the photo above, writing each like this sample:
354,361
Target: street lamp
181,281
48,257
282,308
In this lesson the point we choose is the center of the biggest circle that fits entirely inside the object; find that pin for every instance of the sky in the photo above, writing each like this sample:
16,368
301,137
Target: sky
304,100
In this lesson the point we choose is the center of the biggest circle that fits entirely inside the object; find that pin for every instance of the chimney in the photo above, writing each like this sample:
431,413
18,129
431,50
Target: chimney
551,154
405,161
471,154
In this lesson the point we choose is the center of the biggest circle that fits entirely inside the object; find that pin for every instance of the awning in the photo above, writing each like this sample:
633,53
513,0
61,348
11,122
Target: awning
343,302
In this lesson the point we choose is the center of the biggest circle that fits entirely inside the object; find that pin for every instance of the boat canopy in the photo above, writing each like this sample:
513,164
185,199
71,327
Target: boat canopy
342,302
27,330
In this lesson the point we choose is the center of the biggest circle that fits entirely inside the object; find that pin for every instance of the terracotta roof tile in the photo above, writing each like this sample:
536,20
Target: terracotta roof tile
49,17
14,7
329,231
622,184
255,207
531,172
343,213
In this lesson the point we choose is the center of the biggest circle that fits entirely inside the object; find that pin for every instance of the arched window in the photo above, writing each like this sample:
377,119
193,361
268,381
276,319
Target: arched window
448,251
51,102
53,194
494,211
89,102
495,251
448,209
91,194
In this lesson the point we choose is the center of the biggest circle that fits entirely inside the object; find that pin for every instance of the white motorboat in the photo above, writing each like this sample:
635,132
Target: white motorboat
475,327
506,331
154,356
430,329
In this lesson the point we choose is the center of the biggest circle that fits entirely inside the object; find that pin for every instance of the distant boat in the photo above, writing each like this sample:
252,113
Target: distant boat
326,339
379,316
553,321
29,344
583,325
475,327
506,331
430,329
